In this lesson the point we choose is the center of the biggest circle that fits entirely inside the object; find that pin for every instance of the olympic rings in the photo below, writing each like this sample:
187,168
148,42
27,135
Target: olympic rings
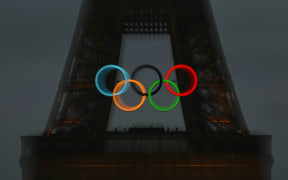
124,84
102,74
151,67
154,105
118,101
191,74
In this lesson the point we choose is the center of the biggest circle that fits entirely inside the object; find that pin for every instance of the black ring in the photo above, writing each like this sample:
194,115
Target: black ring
151,67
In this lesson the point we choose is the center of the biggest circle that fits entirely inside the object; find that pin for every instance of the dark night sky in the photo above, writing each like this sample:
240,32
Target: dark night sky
36,35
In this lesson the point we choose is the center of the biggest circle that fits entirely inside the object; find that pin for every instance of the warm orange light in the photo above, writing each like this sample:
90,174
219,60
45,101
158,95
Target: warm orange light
73,120
118,101
155,165
49,131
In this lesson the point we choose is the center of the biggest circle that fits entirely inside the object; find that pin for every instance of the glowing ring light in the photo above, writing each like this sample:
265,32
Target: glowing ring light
154,105
150,67
118,101
102,74
193,78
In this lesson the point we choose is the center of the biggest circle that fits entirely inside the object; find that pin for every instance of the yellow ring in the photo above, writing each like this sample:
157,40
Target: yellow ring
118,101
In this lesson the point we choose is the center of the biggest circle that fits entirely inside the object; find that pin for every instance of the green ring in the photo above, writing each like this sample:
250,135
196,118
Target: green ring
154,105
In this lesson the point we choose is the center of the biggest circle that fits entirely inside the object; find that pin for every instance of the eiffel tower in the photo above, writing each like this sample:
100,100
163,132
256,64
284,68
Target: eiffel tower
216,143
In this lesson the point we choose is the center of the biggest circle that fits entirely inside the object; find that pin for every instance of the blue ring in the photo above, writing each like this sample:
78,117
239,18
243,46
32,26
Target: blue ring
101,76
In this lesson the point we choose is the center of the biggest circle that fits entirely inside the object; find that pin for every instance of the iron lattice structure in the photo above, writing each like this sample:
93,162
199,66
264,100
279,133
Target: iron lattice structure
216,143
97,42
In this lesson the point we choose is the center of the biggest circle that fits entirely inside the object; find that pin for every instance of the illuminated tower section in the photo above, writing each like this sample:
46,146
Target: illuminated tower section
80,141
80,108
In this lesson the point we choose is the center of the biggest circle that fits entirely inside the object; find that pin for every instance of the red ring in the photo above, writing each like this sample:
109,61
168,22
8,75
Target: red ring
192,74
